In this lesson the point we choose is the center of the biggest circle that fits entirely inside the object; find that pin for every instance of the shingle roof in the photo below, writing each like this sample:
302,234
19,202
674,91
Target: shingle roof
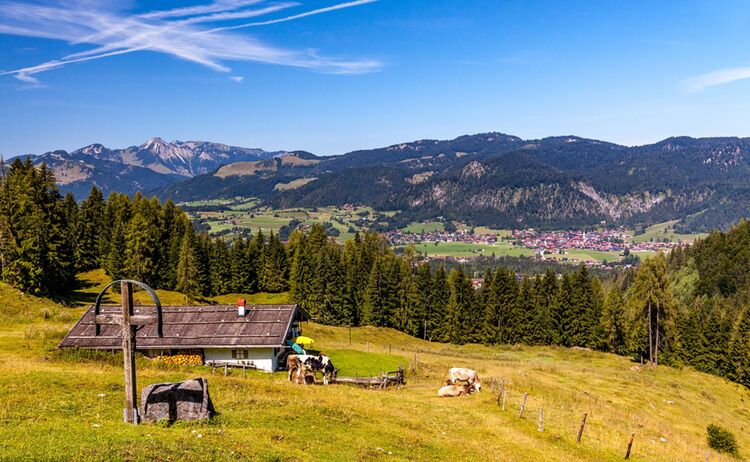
214,326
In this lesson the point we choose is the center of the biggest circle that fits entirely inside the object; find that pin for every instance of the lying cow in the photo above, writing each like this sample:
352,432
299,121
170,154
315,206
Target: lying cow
461,374
310,364
452,391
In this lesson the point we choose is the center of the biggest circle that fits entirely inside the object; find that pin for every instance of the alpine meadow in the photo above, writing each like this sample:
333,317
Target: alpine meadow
408,231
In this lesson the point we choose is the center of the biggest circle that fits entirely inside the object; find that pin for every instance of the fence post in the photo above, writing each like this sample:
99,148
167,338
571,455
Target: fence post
505,395
630,446
580,429
541,419
500,392
523,404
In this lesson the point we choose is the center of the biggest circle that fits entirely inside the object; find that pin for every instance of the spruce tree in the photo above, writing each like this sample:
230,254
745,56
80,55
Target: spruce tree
613,322
437,323
114,263
273,272
187,272
653,325
221,268
89,226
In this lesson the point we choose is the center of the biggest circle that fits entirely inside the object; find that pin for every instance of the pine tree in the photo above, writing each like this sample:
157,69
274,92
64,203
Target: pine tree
527,310
187,272
373,304
242,272
613,322
35,233
273,272
583,310
140,244
437,322
461,315
739,349
488,299
423,309
563,316
652,329
221,268
89,226
407,316
114,263
542,331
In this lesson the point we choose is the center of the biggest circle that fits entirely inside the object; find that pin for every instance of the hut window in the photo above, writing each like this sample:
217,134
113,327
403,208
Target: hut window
239,354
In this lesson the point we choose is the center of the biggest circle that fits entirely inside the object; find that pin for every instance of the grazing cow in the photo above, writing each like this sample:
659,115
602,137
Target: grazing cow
456,374
452,391
305,364
293,366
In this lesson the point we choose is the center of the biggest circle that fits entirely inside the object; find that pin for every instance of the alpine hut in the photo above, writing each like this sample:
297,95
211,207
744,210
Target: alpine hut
256,336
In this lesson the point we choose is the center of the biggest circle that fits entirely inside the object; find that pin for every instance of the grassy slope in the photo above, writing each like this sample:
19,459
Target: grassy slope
664,230
53,407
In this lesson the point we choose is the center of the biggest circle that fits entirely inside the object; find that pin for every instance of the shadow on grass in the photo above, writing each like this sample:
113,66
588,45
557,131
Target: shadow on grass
81,294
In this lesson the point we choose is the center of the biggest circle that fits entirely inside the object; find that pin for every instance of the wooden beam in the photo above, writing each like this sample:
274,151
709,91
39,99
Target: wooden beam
128,353
135,320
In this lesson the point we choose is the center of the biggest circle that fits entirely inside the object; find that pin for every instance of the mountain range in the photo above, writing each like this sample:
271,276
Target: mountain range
484,179
151,165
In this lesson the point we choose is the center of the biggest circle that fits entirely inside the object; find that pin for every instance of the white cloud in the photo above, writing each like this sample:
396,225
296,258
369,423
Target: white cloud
718,77
299,16
174,32
237,78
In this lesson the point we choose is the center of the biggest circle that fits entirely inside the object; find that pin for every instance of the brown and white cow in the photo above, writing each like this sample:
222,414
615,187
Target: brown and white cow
452,391
310,364
293,366
462,374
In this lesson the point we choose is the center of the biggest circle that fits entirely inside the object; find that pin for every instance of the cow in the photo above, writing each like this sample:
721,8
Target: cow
305,364
456,374
293,366
452,391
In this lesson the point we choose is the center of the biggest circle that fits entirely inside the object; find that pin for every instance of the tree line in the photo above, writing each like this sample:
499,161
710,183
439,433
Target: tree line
689,307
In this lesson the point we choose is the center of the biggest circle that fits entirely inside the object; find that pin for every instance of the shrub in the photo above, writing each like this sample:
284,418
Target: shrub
722,440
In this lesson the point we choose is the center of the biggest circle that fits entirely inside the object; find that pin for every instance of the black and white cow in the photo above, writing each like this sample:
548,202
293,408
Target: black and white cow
305,364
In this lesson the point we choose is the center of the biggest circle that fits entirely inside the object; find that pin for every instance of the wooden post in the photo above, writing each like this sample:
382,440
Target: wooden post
225,370
523,405
630,446
505,395
129,323
580,429
500,393
128,354
541,419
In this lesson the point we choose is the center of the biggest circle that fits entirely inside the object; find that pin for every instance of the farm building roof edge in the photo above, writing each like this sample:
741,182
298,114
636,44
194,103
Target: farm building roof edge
200,326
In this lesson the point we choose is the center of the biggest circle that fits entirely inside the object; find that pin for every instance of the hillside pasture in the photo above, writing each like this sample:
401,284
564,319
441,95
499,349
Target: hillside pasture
662,231
468,249
68,405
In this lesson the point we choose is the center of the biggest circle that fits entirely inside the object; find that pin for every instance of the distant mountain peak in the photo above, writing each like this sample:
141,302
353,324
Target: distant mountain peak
153,164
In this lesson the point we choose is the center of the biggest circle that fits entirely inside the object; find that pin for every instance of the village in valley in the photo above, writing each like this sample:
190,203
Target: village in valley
544,244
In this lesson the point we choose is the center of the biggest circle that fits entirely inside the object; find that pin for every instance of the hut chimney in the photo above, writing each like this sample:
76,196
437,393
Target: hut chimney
241,307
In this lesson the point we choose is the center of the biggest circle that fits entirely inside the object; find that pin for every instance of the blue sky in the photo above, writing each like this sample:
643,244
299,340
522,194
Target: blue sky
333,76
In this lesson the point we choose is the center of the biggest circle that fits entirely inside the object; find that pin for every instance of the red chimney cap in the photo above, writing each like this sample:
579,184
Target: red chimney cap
241,302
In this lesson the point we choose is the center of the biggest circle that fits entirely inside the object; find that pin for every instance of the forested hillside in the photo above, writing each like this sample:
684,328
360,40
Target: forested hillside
503,181
686,308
